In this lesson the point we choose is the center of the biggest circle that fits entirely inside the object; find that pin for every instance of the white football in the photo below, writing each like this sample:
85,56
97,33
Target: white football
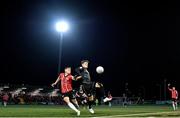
99,69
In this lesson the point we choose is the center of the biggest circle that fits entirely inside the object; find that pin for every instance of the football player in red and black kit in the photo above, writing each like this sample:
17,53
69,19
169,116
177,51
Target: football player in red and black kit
66,89
174,96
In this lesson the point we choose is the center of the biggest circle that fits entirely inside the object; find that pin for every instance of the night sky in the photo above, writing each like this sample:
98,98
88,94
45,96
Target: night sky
136,42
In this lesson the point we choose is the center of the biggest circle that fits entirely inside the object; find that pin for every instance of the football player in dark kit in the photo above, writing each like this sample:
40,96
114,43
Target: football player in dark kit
87,84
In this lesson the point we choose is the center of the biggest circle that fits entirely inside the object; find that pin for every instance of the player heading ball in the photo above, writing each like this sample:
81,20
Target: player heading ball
87,84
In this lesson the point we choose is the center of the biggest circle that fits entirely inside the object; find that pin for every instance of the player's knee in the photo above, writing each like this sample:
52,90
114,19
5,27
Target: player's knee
91,98
66,99
74,100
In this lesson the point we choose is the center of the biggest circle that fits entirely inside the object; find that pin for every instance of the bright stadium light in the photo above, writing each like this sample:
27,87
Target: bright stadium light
62,26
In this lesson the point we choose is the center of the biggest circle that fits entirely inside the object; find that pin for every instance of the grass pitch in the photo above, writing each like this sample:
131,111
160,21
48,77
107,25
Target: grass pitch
100,111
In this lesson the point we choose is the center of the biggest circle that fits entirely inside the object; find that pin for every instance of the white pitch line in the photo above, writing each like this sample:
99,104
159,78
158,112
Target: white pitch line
137,114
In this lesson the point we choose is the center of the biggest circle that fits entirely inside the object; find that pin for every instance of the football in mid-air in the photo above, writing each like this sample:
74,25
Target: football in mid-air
99,69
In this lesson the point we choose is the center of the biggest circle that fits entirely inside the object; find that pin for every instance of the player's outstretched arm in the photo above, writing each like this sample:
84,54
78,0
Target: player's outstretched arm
78,71
169,87
75,78
53,84
78,77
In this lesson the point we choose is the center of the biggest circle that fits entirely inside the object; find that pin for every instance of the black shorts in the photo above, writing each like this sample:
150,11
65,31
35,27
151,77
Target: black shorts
174,99
5,100
69,94
88,89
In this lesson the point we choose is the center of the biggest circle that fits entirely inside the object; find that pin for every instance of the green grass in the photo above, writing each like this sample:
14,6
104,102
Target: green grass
64,111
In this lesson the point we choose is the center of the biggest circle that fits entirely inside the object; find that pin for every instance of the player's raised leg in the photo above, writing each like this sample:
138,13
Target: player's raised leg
108,98
100,88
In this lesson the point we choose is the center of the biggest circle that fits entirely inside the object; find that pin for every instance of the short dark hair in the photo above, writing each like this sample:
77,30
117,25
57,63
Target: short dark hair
83,61
67,67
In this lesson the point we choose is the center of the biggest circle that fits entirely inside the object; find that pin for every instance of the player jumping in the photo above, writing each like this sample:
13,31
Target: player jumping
174,96
87,84
66,89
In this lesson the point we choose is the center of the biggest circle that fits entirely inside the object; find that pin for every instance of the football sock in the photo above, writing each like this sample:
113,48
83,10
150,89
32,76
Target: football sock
90,104
174,106
72,107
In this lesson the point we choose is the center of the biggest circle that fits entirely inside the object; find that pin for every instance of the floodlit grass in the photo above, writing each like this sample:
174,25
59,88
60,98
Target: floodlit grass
64,111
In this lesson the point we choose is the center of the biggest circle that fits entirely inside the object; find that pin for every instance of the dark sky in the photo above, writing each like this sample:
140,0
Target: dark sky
136,42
